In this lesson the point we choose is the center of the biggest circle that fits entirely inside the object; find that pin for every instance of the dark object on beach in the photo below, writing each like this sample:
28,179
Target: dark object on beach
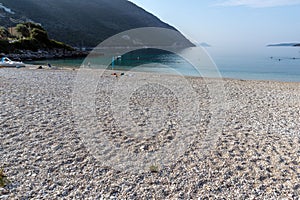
40,67
154,169
122,74
49,65
3,179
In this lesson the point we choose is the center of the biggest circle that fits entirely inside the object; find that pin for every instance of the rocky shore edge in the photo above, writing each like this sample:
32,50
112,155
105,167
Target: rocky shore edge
27,55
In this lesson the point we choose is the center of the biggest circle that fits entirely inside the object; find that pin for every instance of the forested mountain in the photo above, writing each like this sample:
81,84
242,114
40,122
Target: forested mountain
78,22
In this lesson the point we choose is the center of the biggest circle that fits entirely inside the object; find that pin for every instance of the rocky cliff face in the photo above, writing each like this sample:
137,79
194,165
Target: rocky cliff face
78,22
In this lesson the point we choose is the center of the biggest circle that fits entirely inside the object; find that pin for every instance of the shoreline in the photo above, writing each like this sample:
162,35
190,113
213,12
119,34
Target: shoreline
27,55
34,66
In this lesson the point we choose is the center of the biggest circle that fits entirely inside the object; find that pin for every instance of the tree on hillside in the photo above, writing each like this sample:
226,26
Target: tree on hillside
31,26
40,35
23,30
4,33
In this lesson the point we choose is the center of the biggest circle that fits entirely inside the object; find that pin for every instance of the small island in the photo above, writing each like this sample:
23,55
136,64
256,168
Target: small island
284,45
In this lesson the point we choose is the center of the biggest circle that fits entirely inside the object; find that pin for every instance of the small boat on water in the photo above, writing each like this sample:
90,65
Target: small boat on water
6,62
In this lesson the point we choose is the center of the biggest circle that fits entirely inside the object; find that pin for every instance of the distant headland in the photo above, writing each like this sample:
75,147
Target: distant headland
284,45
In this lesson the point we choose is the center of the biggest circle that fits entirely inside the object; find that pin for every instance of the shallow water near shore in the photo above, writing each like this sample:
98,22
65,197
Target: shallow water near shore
273,63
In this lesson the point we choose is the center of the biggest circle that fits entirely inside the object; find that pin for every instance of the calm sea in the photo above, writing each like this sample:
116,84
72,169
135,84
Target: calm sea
272,63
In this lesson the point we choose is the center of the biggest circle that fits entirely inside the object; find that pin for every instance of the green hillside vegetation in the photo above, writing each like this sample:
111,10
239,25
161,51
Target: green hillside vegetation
28,36
4,33
4,43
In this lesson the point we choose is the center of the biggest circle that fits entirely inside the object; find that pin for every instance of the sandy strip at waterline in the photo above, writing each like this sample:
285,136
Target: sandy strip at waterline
256,155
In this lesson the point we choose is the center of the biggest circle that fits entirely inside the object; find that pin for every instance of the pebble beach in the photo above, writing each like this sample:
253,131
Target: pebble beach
255,154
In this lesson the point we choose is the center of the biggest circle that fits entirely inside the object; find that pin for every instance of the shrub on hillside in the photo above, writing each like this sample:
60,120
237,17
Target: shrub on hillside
4,33
23,30
31,26
40,35
60,45
28,44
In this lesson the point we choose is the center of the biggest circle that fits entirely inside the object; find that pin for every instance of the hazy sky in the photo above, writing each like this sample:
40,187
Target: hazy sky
238,24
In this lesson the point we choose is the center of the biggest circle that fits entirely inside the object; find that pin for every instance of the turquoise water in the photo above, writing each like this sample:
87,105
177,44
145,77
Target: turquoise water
60,62
282,64
276,63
